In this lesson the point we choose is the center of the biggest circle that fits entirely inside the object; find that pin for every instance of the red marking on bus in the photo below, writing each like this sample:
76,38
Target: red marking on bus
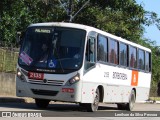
37,76
68,90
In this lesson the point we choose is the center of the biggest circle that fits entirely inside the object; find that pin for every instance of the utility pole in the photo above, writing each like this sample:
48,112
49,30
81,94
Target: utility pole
69,16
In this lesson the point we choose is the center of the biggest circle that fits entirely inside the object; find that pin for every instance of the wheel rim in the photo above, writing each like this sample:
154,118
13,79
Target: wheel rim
96,101
132,101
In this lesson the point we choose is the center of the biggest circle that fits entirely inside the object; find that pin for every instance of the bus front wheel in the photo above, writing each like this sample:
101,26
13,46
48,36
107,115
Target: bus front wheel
42,103
91,107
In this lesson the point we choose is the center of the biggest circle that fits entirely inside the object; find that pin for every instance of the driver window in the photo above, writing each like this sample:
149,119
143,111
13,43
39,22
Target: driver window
90,53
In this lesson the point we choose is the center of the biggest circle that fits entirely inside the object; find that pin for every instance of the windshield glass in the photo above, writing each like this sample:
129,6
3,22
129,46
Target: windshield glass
52,48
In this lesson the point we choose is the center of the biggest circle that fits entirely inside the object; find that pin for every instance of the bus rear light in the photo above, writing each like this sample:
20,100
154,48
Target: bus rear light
68,90
20,75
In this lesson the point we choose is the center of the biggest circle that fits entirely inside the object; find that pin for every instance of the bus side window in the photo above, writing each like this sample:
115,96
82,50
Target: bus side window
90,53
148,62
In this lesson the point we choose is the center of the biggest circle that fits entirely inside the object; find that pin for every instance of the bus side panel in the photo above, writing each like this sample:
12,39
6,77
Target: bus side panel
142,94
143,87
91,80
115,93
117,83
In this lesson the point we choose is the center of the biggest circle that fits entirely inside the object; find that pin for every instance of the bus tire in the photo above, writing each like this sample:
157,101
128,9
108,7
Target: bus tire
132,99
92,107
42,103
121,106
82,104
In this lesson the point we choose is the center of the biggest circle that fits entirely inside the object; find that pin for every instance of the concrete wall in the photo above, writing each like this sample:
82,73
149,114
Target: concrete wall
7,84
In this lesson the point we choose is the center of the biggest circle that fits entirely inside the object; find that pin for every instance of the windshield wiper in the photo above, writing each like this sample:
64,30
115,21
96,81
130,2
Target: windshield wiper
54,42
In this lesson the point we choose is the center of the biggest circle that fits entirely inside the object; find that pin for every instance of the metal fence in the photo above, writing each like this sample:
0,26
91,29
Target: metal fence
8,59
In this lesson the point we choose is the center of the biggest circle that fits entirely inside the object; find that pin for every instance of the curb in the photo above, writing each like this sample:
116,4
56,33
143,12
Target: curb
10,99
151,102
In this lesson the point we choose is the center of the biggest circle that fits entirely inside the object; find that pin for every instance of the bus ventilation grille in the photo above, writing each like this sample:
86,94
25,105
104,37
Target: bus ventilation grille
47,82
44,92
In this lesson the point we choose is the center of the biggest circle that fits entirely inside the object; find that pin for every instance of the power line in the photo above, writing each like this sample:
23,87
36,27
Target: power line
80,10
70,17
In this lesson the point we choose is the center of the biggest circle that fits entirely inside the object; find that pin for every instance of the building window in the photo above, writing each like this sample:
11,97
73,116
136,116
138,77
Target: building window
123,54
113,51
133,57
141,59
102,48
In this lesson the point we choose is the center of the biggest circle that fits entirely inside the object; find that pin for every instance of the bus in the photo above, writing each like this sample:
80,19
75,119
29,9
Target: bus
81,64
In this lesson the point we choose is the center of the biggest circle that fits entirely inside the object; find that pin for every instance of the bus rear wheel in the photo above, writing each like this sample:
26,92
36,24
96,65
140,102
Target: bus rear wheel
92,107
130,105
132,100
42,103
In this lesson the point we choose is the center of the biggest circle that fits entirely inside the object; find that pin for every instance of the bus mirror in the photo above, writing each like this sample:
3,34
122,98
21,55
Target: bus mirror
19,37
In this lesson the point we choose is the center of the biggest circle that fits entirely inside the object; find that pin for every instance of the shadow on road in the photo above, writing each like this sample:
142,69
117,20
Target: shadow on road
53,107
74,107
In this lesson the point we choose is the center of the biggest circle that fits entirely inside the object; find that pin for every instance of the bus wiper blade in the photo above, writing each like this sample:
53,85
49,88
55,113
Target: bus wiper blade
54,42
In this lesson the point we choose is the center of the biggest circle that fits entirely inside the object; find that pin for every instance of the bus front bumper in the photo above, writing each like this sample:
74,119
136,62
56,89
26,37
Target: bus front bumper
50,92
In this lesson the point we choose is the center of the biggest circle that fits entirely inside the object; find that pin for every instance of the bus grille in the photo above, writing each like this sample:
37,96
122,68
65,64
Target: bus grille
47,82
44,92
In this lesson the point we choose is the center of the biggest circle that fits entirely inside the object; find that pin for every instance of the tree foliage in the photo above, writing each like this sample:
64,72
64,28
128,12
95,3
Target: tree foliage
124,18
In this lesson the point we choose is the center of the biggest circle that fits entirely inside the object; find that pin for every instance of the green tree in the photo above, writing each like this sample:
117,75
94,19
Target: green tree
17,15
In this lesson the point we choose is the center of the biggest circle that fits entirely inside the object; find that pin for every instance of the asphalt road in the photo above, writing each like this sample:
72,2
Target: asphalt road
68,110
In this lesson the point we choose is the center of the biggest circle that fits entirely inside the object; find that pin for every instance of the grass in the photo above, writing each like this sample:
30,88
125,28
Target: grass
155,98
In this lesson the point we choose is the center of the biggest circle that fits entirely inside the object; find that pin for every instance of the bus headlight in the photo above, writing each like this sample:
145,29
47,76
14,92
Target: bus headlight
74,79
20,75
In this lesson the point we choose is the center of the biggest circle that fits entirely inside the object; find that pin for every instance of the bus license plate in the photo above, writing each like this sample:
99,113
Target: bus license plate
37,76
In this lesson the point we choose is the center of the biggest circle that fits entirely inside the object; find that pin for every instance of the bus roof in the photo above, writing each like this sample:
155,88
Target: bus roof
88,29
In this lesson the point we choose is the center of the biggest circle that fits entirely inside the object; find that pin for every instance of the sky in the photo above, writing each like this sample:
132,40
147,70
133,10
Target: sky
152,31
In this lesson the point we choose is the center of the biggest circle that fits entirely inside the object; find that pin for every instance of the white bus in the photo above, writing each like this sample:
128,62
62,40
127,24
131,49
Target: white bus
81,64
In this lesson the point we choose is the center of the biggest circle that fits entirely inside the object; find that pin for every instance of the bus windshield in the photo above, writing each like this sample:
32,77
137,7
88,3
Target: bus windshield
52,48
